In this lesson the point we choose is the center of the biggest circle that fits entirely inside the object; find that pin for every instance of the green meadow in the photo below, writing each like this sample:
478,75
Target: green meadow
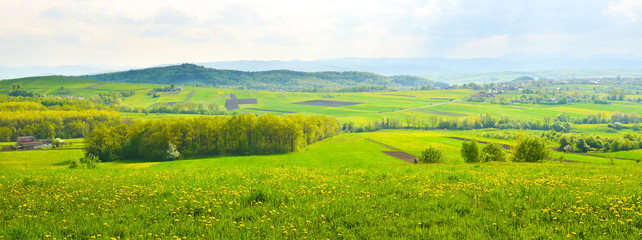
344,187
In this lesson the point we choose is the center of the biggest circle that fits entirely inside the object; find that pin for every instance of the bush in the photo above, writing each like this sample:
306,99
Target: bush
470,151
74,163
493,152
88,162
431,155
531,149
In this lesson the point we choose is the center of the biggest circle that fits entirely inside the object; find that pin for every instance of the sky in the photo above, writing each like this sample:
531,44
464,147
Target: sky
151,32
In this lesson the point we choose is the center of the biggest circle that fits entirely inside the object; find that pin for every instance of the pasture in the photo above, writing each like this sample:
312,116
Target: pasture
343,187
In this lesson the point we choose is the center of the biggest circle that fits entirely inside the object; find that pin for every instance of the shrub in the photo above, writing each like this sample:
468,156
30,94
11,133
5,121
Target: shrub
530,149
431,155
493,152
470,151
74,163
89,162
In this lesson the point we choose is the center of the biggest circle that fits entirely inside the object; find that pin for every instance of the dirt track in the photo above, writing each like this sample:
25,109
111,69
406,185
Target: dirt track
401,155
95,85
189,96
395,152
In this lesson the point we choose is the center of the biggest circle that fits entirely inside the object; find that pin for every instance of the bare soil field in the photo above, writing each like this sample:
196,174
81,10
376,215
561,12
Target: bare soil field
401,155
233,104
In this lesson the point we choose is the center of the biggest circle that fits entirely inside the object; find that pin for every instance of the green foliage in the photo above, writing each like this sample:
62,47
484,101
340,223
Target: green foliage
431,154
267,80
88,162
493,152
564,141
470,151
530,149
241,134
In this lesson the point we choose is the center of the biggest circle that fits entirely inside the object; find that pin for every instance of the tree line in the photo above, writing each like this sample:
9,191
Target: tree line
591,143
170,139
559,123
52,117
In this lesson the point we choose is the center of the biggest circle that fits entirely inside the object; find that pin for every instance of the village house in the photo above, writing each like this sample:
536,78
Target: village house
30,143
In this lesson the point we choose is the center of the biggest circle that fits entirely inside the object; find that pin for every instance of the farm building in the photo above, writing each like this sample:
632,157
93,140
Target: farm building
30,143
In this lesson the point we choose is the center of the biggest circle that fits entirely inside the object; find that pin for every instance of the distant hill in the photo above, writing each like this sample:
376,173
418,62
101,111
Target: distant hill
191,74
439,66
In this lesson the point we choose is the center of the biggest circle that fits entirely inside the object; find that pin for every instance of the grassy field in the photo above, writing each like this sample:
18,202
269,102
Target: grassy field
374,105
338,188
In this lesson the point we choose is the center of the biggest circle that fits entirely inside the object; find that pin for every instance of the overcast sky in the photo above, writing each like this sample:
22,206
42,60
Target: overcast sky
146,33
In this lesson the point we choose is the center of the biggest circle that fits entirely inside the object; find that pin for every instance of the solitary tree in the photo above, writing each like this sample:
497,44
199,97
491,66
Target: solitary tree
531,149
431,155
493,152
470,151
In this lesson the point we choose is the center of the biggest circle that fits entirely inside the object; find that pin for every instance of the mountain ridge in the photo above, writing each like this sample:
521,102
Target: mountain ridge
192,74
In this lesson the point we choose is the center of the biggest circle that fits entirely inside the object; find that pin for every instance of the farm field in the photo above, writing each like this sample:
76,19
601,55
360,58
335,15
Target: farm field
347,186
441,104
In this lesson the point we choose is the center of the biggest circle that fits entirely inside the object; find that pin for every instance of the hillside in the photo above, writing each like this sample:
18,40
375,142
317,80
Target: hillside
190,74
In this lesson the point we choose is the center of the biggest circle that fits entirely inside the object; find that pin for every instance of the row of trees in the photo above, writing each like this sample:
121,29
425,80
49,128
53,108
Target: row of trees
559,123
591,143
52,117
606,117
182,108
242,134
50,123
528,149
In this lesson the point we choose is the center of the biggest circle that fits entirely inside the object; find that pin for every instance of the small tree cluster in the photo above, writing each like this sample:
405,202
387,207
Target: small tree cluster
491,152
530,149
89,162
431,154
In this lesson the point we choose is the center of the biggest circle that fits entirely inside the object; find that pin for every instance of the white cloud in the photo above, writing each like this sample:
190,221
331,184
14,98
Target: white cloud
628,8
149,32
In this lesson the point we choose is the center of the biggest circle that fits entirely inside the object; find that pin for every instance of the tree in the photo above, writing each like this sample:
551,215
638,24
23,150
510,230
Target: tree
16,86
530,149
431,155
172,153
582,146
564,141
493,152
470,151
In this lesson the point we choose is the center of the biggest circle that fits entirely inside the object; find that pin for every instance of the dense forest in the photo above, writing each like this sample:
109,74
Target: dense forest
285,80
242,134
52,117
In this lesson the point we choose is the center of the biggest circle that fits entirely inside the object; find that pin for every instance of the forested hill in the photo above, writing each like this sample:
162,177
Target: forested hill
190,74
